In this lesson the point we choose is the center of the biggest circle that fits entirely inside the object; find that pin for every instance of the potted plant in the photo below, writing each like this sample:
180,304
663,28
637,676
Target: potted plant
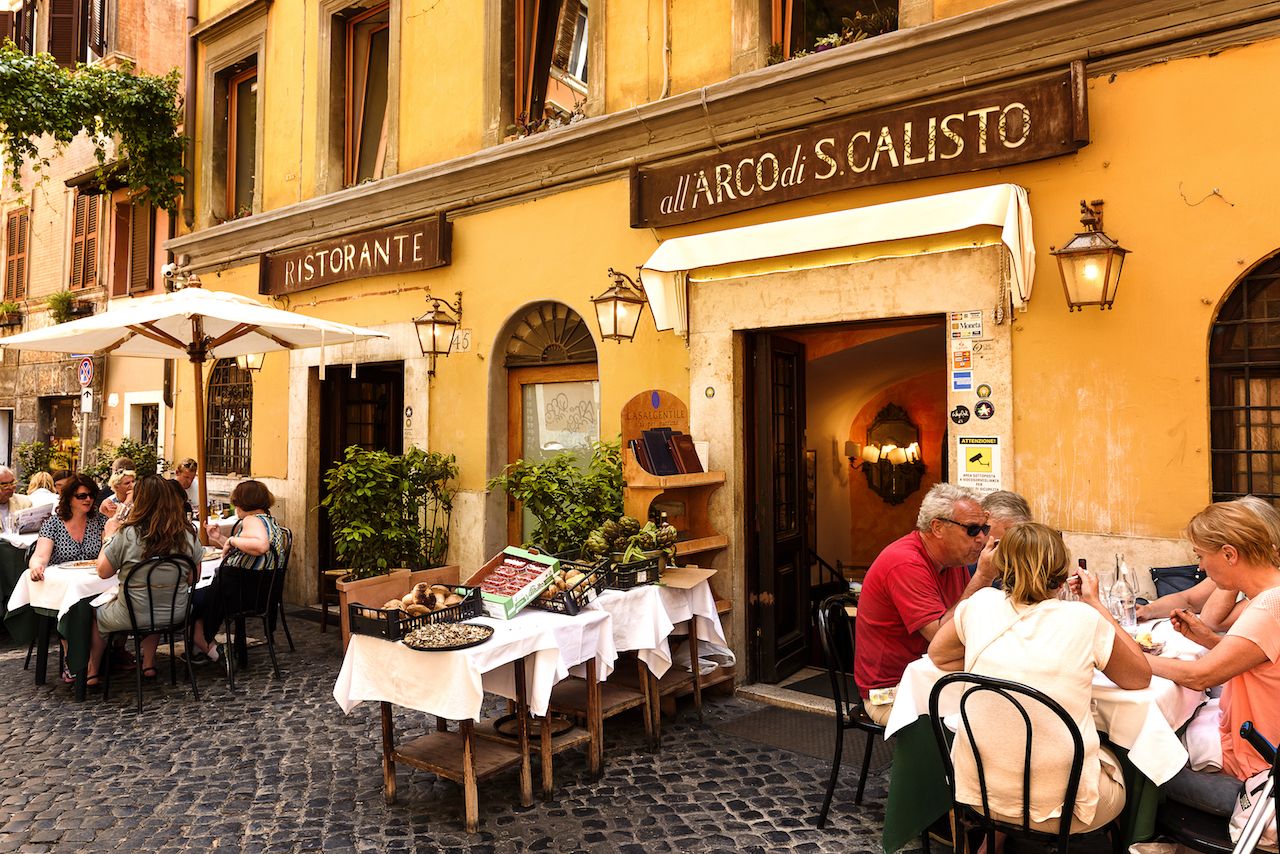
64,306
390,516
10,313
33,457
566,500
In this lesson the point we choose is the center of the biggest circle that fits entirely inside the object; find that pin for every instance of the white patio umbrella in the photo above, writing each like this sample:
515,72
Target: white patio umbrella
193,322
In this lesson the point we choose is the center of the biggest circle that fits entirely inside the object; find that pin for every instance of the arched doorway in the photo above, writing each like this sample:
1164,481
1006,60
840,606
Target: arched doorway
1244,387
553,392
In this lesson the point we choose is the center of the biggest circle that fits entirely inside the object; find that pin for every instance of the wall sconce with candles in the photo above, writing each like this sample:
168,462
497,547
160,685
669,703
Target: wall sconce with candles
619,308
1091,262
890,459
436,327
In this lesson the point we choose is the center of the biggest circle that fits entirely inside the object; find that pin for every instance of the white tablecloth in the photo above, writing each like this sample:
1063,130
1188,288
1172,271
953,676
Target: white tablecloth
452,684
644,617
62,588
1142,721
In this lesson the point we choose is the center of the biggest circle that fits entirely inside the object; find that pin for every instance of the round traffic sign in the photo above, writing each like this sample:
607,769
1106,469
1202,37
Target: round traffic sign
85,371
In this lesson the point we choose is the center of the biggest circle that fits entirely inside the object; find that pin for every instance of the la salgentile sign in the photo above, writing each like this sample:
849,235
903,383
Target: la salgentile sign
984,130
408,247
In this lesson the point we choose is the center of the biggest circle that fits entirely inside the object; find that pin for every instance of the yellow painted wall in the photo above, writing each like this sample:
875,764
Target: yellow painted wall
951,8
701,45
287,78
442,78
1111,426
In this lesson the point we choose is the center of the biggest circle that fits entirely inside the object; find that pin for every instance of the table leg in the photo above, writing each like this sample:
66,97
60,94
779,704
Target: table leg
595,720
522,727
42,648
469,796
544,757
388,755
655,708
693,665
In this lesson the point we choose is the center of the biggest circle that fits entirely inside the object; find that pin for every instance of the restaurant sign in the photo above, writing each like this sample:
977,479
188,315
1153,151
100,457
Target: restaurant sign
982,130
404,248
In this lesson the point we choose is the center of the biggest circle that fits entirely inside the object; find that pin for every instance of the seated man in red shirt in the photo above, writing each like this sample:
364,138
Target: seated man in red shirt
913,587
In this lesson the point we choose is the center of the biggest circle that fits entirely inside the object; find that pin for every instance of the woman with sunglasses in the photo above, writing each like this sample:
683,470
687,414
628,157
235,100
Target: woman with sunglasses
74,531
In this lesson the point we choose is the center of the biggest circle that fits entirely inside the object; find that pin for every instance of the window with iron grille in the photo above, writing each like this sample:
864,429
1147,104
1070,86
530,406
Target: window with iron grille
230,412
1244,388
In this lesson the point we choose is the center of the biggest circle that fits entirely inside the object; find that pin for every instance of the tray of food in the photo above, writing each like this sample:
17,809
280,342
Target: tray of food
211,553
445,637
573,586
423,605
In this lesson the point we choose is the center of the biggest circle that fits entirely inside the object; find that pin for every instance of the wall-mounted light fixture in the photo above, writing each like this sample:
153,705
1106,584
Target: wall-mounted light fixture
436,327
890,459
618,309
250,362
1090,263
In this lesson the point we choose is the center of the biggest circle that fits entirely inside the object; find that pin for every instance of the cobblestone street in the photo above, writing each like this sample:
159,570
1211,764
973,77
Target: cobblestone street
276,766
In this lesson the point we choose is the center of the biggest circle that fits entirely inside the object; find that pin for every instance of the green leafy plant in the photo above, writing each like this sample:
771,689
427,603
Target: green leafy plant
32,457
61,305
389,511
567,501
10,307
863,25
146,460
139,113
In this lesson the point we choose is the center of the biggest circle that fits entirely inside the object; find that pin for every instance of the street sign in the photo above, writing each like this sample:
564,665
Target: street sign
86,401
84,371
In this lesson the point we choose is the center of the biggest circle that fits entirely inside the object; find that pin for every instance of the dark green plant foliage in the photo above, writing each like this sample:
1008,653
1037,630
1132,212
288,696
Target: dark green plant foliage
32,457
60,304
141,112
390,511
566,501
145,459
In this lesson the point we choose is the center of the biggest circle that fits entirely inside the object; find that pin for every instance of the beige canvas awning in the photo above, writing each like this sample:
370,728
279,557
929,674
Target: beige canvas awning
667,273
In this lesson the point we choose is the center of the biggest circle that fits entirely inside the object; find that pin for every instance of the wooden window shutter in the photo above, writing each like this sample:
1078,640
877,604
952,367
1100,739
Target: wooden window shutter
25,28
7,20
120,249
84,243
65,20
15,267
97,26
565,30
536,22
142,222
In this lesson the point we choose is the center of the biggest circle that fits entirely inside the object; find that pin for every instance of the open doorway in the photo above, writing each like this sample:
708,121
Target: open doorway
819,521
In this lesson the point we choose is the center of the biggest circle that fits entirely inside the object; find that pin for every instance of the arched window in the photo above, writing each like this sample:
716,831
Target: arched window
229,417
1244,388
550,333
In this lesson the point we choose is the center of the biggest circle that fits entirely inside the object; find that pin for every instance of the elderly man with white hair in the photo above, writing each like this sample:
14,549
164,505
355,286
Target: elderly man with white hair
10,501
913,587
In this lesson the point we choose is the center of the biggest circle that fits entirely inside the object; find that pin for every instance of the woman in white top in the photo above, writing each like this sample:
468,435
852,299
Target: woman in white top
1024,633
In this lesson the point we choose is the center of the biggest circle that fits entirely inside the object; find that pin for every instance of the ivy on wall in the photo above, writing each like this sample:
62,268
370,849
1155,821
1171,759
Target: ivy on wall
140,112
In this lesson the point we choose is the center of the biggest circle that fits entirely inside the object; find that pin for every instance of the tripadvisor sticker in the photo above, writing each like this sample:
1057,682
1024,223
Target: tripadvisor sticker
984,391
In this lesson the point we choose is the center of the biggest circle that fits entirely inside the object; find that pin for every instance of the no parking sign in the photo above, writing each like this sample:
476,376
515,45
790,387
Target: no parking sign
84,371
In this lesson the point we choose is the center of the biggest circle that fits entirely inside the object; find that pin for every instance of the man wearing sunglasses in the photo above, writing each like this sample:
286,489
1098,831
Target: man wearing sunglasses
913,587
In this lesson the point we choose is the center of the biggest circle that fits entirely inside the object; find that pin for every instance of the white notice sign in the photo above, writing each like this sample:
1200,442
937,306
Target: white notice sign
978,462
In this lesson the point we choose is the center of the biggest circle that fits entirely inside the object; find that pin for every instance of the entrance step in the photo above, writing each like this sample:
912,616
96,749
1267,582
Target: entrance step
781,696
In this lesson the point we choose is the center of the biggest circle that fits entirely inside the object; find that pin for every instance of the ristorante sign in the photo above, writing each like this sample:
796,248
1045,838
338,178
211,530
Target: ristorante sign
404,248
983,130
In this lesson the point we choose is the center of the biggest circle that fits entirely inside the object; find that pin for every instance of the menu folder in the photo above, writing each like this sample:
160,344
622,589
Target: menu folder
660,457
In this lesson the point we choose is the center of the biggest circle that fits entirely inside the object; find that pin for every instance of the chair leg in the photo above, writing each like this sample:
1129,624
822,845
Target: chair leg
26,665
271,644
835,773
866,766
137,669
924,843
191,672
284,624
104,669
173,657
229,651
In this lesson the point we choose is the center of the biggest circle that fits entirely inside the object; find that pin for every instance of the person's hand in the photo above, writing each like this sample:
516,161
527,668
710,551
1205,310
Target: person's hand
1191,627
1085,585
1145,613
986,567
37,572
109,508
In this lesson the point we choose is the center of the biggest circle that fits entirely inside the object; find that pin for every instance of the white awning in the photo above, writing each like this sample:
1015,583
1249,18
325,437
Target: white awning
665,275
10,5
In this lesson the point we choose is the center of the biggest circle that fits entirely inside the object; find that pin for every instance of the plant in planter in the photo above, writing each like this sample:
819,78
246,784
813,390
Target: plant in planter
33,457
390,511
10,313
566,500
63,306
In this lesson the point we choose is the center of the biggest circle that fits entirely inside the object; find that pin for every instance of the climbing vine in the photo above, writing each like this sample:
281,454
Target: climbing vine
141,112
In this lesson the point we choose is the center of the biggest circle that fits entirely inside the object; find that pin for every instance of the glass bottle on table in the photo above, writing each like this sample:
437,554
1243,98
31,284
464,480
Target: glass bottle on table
1123,596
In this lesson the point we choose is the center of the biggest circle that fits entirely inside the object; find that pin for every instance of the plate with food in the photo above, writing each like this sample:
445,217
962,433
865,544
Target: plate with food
1149,644
211,554
82,564
444,637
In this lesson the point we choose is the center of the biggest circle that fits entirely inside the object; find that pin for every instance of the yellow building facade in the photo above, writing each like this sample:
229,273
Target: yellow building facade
1112,423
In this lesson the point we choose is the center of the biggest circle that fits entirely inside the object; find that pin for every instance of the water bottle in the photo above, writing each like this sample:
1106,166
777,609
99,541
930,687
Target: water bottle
1122,598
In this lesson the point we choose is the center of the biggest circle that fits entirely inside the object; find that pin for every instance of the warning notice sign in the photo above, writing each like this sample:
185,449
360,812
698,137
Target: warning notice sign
978,459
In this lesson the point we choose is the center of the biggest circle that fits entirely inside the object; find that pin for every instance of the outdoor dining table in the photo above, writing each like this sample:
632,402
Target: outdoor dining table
1140,726
523,660
66,598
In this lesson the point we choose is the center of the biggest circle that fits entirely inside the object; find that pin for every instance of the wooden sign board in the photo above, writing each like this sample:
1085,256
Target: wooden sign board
408,247
653,408
1028,121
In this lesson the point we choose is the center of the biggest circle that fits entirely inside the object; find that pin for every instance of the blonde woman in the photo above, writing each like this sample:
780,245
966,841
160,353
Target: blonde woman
1025,633
121,483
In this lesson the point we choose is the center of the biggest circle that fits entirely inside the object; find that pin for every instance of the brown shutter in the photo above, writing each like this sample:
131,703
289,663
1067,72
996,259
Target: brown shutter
142,222
25,27
97,26
120,249
6,25
84,243
65,28
565,30
15,266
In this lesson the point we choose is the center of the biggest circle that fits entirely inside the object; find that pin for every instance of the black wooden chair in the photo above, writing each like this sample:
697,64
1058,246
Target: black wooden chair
1001,734
251,593
147,589
837,629
284,568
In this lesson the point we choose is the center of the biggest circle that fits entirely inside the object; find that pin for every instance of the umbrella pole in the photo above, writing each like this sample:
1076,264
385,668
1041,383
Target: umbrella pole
203,491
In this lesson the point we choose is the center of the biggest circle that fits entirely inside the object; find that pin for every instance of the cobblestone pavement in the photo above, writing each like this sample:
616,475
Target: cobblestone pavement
276,766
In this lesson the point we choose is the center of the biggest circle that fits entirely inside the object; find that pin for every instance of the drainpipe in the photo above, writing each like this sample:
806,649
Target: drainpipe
189,115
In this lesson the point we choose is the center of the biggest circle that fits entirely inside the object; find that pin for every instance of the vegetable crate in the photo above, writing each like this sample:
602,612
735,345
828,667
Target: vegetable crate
393,624
577,596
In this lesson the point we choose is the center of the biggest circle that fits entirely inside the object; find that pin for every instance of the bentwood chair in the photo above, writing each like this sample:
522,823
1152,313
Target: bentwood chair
152,596
837,629
996,716
251,593
284,568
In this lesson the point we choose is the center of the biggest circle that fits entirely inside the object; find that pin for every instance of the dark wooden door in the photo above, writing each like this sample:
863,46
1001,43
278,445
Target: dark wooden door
781,525
367,411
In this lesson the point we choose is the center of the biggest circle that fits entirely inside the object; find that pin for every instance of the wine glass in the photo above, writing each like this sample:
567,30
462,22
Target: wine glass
1106,580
